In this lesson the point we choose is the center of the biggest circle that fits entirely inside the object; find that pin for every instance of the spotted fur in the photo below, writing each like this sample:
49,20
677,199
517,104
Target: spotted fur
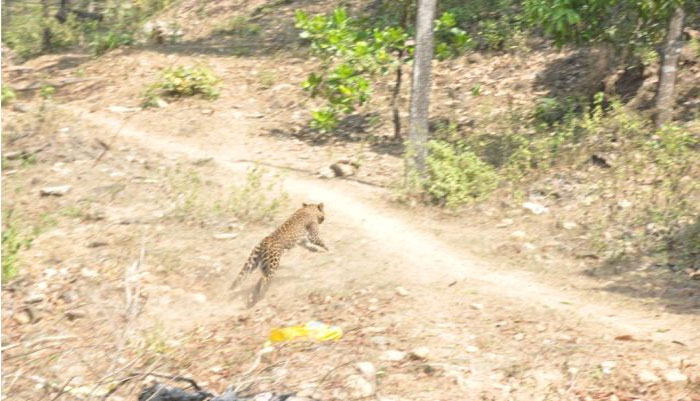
302,225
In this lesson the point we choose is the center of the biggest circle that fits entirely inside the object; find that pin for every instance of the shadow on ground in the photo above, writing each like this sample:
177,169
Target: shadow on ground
672,278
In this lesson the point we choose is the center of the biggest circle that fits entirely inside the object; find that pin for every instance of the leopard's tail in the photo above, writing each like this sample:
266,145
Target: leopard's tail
251,264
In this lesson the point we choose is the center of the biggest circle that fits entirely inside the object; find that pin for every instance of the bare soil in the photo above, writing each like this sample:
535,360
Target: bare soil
125,275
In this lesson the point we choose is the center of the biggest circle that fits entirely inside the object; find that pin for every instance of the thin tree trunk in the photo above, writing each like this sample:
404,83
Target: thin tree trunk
46,33
668,70
416,149
399,75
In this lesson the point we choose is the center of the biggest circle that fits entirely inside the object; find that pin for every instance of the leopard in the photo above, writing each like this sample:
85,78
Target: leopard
300,228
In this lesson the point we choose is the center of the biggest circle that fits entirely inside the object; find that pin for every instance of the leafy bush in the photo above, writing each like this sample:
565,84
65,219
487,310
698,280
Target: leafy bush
8,95
183,81
102,42
121,20
450,40
550,110
351,56
456,175
13,241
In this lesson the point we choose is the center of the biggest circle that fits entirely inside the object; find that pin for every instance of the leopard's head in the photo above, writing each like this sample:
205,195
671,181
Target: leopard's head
317,209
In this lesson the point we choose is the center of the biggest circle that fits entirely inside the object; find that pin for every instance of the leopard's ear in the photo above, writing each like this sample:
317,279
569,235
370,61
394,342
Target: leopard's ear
304,204
320,206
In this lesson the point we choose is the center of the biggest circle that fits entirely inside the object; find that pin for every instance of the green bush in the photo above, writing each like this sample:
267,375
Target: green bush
8,95
121,20
550,110
183,81
13,241
456,175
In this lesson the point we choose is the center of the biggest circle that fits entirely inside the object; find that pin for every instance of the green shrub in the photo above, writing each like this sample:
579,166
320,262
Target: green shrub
13,241
8,95
450,40
550,110
257,199
183,81
456,175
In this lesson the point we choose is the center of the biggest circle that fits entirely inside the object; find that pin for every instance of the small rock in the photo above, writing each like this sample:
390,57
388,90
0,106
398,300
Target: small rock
518,234
519,336
535,208
608,366
379,340
360,386
624,204
13,155
402,291
255,114
58,190
161,103
88,273
225,236
326,172
24,316
420,353
207,112
675,376
393,355
69,297
122,109
477,306
21,108
199,297
343,169
529,246
75,314
504,223
646,376
472,349
34,298
368,370
569,225
96,244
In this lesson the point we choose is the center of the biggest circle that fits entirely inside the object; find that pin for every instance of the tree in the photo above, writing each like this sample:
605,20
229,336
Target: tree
626,25
416,148
669,63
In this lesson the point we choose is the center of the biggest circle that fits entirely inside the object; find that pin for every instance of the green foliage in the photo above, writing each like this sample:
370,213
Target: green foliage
626,23
47,91
257,199
183,81
456,175
491,25
102,42
351,57
451,41
8,95
14,239
121,20
551,110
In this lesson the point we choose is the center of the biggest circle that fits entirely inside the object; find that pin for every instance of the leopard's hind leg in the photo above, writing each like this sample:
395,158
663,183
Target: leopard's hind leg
269,266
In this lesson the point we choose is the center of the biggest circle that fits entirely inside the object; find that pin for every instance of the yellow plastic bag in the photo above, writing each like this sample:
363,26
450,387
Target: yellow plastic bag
315,330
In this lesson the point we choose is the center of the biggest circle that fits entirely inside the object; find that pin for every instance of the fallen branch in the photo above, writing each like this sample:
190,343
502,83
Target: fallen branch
56,84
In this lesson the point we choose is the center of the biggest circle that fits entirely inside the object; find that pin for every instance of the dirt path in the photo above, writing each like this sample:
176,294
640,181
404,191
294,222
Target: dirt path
419,259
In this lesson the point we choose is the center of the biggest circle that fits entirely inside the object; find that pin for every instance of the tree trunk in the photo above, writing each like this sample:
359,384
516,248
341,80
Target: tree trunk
46,31
399,75
416,148
668,72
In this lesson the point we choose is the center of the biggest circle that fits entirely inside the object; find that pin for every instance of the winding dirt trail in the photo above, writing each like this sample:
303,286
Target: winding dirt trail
411,256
